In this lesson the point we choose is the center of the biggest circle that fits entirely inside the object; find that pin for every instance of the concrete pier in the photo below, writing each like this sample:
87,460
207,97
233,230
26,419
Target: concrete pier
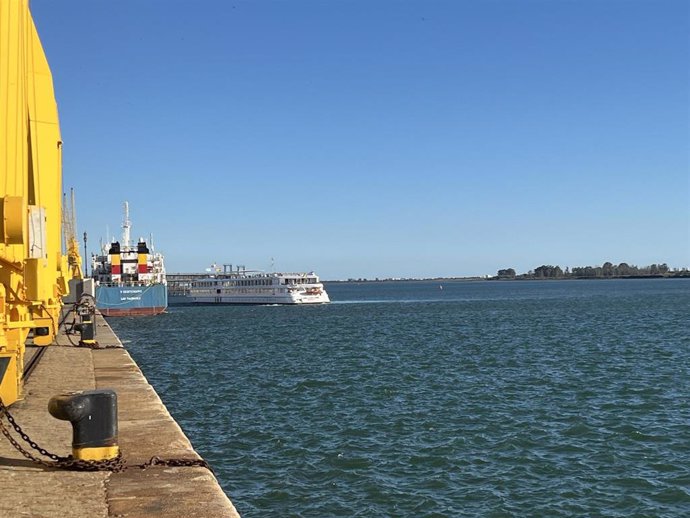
146,429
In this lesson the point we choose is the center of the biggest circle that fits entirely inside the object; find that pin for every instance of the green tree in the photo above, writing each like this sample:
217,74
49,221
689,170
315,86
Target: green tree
547,271
508,273
623,269
607,269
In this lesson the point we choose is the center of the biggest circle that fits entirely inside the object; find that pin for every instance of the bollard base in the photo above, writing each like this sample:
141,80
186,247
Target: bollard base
100,453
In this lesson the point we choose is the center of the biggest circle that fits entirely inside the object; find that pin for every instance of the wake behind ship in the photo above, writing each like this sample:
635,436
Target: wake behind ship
130,280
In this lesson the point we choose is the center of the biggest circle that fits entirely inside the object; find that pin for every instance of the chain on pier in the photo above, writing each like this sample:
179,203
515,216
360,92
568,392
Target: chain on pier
116,464
69,331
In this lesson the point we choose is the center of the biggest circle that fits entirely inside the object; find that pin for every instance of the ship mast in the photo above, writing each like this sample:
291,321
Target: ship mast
126,225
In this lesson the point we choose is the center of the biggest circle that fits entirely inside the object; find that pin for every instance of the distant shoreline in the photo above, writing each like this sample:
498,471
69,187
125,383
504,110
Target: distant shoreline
679,275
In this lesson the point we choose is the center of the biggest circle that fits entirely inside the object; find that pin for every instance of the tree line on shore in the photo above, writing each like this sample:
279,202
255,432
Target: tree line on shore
607,270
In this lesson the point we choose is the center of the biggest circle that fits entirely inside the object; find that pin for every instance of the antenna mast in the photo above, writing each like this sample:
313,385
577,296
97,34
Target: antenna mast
126,225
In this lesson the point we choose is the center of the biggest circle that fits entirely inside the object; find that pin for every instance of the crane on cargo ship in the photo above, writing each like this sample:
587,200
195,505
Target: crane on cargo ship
33,270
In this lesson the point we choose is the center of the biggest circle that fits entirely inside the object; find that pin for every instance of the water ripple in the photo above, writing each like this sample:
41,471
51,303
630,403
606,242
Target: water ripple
483,399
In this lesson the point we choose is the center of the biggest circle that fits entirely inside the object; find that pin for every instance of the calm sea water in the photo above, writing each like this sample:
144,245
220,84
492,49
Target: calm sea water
563,398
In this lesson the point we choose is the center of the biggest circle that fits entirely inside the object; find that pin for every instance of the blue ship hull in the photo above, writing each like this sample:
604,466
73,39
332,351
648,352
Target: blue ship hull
125,301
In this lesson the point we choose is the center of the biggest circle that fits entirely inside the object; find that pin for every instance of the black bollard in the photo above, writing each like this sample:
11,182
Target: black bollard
88,329
93,414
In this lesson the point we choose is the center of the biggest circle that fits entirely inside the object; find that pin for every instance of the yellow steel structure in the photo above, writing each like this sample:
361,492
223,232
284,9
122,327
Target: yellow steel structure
32,268
69,228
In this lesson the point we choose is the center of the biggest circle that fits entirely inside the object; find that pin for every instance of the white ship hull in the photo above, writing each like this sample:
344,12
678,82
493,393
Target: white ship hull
290,298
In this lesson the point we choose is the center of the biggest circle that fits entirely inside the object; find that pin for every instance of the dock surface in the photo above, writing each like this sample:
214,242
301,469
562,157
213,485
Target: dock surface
146,429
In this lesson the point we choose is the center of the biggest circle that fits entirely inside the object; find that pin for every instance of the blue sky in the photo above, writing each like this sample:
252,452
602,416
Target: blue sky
379,138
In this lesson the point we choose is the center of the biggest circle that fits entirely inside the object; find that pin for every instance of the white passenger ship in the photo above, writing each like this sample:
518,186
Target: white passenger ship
243,286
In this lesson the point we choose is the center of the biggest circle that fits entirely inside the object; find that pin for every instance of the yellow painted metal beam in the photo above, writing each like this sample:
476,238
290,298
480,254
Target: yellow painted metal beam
32,267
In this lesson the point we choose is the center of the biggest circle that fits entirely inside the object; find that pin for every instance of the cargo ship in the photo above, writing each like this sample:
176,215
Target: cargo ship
129,279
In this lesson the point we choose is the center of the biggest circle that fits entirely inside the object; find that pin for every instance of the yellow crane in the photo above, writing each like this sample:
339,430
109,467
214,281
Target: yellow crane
69,227
33,271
